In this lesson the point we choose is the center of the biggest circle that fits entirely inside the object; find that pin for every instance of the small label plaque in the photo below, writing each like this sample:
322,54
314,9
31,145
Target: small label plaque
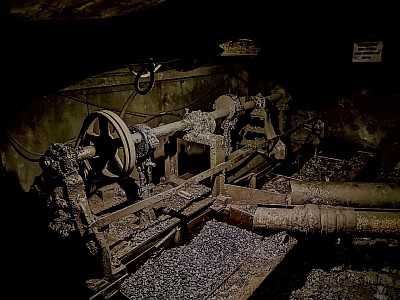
367,51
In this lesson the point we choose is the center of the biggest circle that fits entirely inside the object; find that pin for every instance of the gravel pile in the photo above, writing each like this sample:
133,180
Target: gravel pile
123,227
195,270
339,283
392,175
356,162
259,264
320,168
151,229
279,185
317,168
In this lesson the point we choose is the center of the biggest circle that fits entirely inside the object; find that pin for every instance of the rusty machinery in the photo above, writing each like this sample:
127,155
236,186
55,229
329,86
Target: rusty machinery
103,188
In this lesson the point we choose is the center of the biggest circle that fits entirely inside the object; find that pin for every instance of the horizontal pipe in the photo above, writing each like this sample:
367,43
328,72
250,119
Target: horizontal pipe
274,97
170,128
352,194
249,105
325,219
248,196
182,125
378,222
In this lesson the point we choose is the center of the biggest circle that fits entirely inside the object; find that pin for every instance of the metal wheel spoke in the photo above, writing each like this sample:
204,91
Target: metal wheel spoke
104,127
115,144
92,137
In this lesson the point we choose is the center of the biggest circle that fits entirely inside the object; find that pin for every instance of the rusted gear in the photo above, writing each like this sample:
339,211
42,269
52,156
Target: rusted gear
144,170
64,188
230,101
59,160
115,148
234,105
148,143
199,123
144,149
259,100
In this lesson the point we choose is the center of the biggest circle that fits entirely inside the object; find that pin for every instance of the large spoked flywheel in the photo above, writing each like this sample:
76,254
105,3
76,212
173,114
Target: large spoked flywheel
115,149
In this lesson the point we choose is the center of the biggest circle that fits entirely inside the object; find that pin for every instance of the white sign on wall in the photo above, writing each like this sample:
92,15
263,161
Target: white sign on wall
367,51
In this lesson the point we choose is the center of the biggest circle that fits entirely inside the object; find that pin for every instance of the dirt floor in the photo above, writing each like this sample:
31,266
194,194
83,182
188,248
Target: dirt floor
352,269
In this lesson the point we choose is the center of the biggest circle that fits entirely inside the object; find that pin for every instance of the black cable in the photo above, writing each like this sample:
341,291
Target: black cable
87,105
102,106
105,90
19,149
127,103
143,115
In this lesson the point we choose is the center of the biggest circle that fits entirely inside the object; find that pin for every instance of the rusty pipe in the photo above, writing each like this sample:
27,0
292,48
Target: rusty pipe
326,219
275,97
177,126
182,125
353,194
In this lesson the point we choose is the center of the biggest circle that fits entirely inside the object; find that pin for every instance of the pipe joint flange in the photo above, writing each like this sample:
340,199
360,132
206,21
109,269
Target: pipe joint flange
199,122
237,103
148,143
259,100
230,101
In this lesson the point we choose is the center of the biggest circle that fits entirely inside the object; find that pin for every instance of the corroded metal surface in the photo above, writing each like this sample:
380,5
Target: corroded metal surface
240,47
355,194
60,167
70,210
234,105
325,219
377,222
149,141
242,196
306,219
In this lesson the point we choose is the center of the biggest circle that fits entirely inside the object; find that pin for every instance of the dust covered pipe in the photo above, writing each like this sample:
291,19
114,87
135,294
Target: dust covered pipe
325,219
352,194
182,125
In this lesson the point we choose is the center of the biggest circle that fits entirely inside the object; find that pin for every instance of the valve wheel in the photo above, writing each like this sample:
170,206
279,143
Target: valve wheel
115,148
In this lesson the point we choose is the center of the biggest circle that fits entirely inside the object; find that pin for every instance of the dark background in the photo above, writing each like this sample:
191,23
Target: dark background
307,47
